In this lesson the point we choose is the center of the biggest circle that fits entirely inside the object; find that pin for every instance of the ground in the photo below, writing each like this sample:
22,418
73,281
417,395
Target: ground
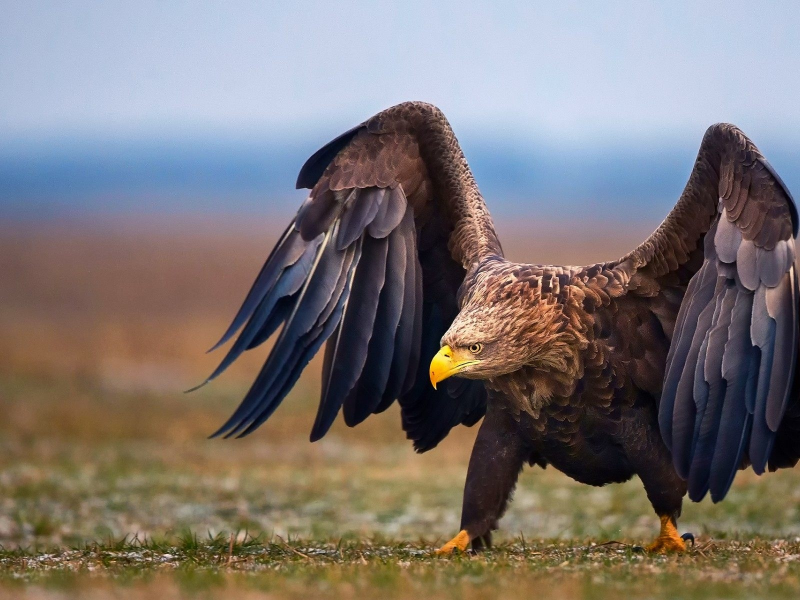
109,487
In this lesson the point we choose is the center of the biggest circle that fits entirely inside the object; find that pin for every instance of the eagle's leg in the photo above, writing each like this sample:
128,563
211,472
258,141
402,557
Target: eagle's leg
665,489
497,459
668,539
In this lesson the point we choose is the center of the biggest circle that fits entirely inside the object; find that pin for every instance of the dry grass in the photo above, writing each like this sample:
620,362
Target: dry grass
137,303
109,487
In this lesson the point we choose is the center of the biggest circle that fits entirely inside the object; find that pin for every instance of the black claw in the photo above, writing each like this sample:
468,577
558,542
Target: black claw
481,543
688,537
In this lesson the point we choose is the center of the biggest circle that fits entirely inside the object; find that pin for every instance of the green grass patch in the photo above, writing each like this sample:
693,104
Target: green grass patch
163,512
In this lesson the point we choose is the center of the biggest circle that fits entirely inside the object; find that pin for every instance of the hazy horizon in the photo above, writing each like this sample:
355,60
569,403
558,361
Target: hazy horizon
631,181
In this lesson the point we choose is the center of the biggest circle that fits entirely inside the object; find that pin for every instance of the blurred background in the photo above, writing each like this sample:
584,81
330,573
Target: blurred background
148,153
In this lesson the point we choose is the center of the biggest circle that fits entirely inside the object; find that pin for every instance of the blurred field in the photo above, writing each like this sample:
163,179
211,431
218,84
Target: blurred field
109,486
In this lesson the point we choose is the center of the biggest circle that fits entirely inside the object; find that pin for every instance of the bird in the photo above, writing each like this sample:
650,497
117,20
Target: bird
674,363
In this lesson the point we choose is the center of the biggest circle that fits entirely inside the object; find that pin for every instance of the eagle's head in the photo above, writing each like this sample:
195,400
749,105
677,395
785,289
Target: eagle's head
511,317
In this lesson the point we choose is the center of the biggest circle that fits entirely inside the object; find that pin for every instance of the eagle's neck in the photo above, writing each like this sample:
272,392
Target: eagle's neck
531,389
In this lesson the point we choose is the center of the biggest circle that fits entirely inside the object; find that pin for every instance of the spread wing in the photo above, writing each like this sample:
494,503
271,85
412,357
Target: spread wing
372,263
732,357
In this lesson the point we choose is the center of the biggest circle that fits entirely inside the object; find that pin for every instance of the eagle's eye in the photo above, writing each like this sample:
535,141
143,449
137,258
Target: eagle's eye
476,348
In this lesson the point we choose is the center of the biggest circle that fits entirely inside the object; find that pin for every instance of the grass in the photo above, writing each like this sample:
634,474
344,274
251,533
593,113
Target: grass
394,569
128,503
109,487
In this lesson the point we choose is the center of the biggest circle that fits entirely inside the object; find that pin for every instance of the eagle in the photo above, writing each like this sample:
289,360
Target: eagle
674,363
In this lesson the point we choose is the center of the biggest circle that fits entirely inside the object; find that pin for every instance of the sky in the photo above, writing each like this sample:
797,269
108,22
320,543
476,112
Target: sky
214,105
572,71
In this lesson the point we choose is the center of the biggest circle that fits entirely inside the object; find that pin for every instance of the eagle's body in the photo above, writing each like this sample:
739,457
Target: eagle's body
594,414
674,363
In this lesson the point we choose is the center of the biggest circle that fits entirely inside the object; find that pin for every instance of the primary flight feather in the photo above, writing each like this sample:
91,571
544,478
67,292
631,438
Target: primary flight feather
674,363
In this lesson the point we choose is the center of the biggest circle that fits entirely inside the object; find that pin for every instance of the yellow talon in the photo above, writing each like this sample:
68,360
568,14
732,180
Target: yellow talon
458,543
668,540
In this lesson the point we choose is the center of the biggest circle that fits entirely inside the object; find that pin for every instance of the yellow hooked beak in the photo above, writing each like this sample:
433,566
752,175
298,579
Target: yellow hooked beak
446,363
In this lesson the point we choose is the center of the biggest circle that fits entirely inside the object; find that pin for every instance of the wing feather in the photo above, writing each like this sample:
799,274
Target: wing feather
404,338
297,335
366,394
358,214
350,270
357,327
738,356
392,211
289,250
729,376
699,293
707,427
685,414
781,304
289,283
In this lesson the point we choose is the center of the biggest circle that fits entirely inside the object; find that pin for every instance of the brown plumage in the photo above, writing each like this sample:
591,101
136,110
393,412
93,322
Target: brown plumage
675,362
